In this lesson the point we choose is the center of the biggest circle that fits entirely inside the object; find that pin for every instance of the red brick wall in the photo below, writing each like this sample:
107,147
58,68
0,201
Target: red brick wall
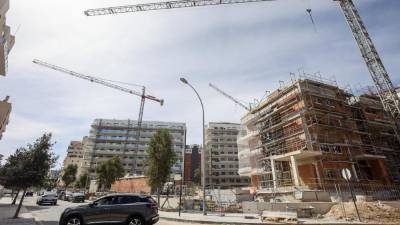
131,185
187,167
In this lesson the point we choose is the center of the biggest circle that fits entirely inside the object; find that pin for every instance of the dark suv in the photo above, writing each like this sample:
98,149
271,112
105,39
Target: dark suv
129,209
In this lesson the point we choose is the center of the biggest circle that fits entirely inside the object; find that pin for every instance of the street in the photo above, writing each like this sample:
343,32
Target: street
50,214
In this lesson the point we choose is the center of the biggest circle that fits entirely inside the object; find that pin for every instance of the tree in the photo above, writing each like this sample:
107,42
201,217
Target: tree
82,181
197,176
50,183
109,171
11,170
69,174
29,166
161,159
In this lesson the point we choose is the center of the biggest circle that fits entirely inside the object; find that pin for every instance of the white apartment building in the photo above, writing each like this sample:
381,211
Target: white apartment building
221,156
7,40
110,137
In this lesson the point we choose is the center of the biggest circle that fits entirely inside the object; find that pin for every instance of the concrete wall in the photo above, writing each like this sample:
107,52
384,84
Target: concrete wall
258,207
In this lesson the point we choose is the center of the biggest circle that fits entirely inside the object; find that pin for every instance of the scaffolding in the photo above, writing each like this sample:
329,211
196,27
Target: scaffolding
316,121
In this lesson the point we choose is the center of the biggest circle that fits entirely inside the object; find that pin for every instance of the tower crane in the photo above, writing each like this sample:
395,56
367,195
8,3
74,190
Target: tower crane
385,89
229,97
103,82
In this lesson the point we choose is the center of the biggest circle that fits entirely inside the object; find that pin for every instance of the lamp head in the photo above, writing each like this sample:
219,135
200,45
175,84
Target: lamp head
184,80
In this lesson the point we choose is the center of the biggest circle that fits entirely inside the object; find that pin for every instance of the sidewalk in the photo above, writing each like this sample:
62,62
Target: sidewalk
211,218
237,218
7,212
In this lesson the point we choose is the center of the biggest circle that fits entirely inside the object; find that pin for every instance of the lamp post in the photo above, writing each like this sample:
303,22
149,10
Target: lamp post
203,163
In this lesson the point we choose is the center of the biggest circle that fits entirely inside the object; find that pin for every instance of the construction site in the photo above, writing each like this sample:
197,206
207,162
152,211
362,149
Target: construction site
305,133
311,151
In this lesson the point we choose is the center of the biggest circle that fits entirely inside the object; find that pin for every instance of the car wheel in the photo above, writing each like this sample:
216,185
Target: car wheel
135,221
73,220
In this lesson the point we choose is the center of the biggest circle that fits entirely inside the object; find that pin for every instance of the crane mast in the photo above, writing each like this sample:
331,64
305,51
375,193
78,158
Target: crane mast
387,94
142,95
229,97
383,84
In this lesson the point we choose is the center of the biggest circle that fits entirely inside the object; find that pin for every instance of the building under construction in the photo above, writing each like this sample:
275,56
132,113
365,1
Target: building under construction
303,134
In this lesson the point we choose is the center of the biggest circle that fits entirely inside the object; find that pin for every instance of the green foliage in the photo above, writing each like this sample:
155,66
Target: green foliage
108,171
50,183
161,158
29,166
69,174
81,182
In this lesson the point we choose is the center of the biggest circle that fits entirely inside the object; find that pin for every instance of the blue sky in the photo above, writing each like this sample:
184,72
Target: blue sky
244,49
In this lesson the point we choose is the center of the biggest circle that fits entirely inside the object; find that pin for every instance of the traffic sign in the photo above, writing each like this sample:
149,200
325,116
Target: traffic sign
346,174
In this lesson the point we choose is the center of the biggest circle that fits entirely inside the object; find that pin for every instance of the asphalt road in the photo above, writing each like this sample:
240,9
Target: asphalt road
50,214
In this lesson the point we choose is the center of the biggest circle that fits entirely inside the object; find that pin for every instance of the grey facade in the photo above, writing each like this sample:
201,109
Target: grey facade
221,156
110,138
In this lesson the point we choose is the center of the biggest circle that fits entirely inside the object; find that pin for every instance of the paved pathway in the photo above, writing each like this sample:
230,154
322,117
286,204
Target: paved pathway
7,212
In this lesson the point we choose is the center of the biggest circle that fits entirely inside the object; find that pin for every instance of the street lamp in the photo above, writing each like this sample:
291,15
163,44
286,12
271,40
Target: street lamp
203,163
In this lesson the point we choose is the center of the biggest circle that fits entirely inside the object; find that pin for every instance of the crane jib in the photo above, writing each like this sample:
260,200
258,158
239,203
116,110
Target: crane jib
163,5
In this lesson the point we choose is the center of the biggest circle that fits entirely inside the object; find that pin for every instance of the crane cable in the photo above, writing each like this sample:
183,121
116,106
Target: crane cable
309,11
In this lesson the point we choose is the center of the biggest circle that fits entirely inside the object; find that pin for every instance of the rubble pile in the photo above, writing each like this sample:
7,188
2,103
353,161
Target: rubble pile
370,212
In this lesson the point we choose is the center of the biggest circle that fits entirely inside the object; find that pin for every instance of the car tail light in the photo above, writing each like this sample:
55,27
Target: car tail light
152,205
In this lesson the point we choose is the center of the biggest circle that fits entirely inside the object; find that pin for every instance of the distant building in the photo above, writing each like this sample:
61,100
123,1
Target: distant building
221,156
54,174
75,154
110,138
7,40
5,110
191,162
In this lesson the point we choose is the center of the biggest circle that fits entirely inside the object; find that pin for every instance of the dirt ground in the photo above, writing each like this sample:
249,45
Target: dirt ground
370,212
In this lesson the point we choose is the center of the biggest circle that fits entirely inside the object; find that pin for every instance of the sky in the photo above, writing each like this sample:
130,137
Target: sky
244,49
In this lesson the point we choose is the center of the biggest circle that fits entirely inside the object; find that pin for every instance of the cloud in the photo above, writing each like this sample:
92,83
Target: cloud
244,49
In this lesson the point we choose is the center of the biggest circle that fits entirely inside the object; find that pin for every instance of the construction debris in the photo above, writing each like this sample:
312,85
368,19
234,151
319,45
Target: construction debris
370,212
272,216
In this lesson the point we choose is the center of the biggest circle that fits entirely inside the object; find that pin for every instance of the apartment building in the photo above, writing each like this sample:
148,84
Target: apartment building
110,137
379,134
305,133
5,110
221,156
7,40
75,154
191,162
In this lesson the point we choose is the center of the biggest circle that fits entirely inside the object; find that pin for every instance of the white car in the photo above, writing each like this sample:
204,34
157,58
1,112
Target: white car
50,198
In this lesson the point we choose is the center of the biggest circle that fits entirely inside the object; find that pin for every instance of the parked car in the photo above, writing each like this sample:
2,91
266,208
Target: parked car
29,194
50,198
78,197
67,196
60,194
132,209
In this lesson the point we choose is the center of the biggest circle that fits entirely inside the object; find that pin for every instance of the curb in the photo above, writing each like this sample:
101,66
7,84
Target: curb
261,223
211,222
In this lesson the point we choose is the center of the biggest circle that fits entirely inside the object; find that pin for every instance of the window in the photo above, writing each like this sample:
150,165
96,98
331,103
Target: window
128,199
324,148
105,201
337,149
330,173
